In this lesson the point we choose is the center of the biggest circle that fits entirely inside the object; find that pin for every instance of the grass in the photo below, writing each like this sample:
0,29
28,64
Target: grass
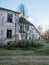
31,63
31,51
39,51
16,52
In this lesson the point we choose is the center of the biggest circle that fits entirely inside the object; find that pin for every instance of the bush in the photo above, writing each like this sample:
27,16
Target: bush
25,44
29,43
47,41
36,44
43,51
11,46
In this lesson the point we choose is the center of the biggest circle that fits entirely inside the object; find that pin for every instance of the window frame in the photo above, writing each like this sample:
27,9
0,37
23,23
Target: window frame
9,17
21,27
27,27
9,33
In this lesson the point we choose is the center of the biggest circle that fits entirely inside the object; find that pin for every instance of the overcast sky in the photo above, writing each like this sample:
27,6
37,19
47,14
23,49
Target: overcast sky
38,10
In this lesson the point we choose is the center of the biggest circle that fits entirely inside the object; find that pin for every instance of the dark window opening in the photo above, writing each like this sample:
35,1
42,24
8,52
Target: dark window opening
27,27
9,33
21,27
29,37
9,18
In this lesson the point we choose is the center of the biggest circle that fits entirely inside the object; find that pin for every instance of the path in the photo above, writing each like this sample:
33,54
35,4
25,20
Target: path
24,58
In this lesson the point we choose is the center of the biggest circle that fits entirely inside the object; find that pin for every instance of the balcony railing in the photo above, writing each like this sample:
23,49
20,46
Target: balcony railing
22,31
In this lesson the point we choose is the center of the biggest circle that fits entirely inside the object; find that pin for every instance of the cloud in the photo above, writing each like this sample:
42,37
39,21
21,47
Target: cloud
30,19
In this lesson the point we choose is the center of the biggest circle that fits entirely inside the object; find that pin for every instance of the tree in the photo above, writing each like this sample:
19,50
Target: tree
46,34
22,9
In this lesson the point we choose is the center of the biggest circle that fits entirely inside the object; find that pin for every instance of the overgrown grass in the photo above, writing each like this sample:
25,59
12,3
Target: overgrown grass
16,52
31,63
36,48
43,51
33,51
25,44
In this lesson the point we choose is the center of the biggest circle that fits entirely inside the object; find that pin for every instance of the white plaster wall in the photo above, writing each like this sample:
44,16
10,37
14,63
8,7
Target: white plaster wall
36,34
4,25
1,17
29,32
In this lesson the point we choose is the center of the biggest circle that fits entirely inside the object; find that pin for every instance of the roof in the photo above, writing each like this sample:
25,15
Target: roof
9,10
23,20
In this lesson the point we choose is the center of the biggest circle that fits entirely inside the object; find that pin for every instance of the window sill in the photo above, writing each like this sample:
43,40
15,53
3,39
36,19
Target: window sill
9,22
8,38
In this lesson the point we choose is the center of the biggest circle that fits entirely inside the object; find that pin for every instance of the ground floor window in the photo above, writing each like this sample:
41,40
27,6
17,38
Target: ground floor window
29,37
1,32
22,36
9,33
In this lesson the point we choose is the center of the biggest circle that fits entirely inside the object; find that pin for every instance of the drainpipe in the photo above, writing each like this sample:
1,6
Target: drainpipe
15,28
26,31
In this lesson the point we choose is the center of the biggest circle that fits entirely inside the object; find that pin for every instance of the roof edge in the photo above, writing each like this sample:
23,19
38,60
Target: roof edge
1,8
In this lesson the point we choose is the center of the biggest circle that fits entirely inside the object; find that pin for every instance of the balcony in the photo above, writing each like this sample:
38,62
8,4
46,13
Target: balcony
22,31
22,28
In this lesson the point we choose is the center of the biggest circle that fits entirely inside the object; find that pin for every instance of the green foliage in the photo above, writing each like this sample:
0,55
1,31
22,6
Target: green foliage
29,43
25,63
11,46
25,44
1,44
36,43
47,41
44,51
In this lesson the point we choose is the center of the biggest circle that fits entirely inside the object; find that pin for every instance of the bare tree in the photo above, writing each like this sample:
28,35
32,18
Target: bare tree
22,9
46,34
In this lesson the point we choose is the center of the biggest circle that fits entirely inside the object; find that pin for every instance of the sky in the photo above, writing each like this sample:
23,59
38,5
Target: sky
37,10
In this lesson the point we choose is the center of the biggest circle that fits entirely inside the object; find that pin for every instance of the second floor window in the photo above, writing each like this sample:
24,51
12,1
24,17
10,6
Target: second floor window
21,27
27,27
9,18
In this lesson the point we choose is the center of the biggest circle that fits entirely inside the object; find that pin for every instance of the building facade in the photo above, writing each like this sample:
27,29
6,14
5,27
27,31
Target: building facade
14,27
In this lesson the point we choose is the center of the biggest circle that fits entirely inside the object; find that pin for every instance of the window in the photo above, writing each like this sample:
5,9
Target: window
27,27
9,18
29,37
21,27
9,33
22,36
1,32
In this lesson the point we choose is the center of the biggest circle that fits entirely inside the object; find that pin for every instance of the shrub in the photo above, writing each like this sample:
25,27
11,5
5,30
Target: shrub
29,43
43,51
36,44
23,43
11,46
